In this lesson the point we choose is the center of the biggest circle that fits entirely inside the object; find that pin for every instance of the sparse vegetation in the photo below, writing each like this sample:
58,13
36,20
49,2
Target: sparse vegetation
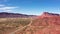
7,24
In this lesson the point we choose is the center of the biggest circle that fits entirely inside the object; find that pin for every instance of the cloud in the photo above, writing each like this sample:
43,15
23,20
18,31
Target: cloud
4,8
1,5
7,8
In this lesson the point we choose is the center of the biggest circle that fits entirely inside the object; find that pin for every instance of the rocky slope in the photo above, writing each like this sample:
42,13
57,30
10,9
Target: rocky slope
47,23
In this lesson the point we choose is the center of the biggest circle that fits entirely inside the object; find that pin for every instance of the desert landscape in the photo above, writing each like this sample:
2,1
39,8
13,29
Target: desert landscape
47,23
29,16
10,22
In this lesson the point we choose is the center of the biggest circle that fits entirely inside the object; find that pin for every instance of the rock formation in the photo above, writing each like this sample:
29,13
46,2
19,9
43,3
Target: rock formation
46,14
49,24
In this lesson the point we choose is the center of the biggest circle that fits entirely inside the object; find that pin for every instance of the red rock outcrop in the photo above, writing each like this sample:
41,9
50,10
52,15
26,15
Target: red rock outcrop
47,18
47,23
46,14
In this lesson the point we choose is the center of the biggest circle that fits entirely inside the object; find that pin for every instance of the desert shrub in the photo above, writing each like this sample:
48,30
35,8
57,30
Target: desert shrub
13,22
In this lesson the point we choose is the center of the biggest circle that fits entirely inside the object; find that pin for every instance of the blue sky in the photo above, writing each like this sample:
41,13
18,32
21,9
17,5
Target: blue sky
30,7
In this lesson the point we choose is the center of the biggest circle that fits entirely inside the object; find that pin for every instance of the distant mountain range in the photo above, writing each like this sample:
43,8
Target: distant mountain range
15,15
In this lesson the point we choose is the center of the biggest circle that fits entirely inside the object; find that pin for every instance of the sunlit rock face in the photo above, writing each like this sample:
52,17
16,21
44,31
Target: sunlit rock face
46,14
47,19
47,23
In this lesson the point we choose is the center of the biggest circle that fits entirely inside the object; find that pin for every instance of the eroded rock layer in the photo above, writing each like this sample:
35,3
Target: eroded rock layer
47,23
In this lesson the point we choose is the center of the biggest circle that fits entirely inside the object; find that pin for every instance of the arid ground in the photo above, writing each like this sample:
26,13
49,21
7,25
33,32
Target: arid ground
8,25
47,23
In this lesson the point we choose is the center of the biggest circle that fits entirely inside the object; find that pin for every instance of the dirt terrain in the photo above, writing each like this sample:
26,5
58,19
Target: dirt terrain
47,23
8,25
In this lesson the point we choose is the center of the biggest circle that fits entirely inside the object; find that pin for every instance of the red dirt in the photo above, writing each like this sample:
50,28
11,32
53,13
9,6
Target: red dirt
47,23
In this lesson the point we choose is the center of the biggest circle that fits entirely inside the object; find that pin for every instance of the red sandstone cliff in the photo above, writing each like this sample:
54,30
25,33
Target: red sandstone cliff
48,18
47,23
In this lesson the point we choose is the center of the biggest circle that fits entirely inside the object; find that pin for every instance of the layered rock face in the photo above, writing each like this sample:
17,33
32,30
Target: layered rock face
47,23
49,18
46,14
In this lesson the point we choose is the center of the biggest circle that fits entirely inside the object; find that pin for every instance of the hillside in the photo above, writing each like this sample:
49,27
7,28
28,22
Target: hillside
47,23
14,15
